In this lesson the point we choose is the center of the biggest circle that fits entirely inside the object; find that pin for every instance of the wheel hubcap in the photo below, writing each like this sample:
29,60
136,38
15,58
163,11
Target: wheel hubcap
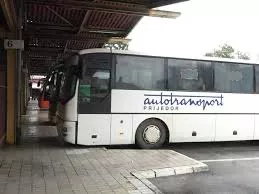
151,134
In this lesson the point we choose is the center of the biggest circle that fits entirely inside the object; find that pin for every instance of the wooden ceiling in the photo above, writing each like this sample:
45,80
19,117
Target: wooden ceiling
55,29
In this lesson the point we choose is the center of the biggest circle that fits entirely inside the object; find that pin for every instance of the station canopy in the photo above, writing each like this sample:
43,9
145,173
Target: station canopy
55,29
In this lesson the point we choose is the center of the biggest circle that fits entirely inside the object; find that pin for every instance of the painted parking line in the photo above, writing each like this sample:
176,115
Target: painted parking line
230,160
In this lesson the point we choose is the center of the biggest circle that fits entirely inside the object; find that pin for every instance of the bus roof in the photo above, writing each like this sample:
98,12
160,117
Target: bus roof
126,52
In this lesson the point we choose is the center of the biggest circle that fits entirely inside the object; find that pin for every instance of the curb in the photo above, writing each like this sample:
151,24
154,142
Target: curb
162,172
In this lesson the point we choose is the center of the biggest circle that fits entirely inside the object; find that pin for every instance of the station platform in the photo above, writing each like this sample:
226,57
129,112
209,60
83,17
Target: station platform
42,164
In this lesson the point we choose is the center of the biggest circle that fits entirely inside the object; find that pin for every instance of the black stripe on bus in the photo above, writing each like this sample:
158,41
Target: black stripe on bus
76,133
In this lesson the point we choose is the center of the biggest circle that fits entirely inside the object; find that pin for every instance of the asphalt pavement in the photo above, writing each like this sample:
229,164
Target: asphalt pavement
234,168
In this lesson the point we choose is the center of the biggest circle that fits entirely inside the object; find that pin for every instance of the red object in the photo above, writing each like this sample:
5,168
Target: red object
44,104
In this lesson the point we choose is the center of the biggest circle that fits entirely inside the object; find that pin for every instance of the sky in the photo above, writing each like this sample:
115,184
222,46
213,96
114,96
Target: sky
202,27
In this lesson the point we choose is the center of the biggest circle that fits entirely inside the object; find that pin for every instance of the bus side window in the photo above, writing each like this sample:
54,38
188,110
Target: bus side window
233,78
256,79
139,73
188,75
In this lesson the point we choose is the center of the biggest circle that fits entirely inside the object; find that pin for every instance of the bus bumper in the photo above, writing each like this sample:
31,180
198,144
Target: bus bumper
67,131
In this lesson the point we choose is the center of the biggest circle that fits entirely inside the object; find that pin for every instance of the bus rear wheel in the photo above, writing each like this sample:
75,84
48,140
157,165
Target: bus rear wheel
151,134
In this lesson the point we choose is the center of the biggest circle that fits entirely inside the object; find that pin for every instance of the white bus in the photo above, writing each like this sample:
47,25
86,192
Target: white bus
119,97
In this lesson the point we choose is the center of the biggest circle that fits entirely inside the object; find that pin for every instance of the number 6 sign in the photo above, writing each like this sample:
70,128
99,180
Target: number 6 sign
14,44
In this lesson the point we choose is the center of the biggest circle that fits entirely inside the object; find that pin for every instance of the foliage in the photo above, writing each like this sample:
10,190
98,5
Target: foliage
241,55
227,51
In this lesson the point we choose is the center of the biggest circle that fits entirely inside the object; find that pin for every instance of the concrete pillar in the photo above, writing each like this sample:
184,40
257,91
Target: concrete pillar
11,97
12,31
3,87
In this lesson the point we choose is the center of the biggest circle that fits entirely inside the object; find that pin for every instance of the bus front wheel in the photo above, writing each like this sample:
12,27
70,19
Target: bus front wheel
151,134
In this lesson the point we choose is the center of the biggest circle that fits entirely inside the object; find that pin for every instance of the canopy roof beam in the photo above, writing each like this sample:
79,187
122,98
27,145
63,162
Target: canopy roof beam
35,27
9,13
60,16
107,7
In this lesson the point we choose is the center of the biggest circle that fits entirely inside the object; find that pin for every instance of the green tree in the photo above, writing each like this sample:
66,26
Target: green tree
224,51
227,51
241,55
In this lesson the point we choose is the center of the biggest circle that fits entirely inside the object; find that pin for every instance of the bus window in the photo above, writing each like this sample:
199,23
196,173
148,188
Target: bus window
94,86
257,79
235,78
190,75
137,72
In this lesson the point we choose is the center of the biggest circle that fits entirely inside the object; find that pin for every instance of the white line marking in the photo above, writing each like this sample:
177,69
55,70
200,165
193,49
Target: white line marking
230,159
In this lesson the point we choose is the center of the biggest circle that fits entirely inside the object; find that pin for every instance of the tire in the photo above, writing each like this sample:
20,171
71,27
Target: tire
144,137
